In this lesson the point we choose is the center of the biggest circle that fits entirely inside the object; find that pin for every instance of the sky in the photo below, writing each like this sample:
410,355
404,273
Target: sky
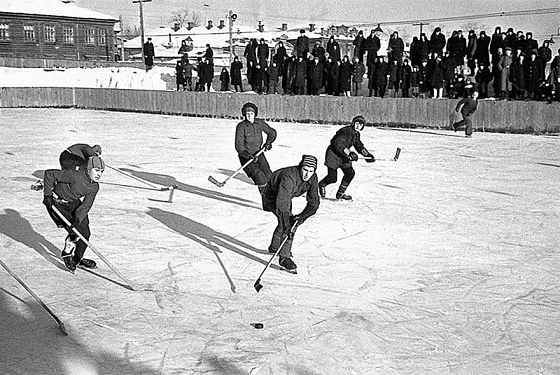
298,13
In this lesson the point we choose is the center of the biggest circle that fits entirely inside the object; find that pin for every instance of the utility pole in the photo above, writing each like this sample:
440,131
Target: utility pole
231,17
142,25
122,37
420,24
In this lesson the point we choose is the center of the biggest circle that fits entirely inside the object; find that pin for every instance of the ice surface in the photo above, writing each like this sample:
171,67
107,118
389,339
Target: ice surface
446,261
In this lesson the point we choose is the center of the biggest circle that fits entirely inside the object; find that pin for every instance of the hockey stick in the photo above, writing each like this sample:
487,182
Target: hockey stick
129,284
139,179
395,158
220,184
258,286
58,321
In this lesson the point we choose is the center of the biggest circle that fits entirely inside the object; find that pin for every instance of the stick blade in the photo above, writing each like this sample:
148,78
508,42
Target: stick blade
397,154
258,285
215,182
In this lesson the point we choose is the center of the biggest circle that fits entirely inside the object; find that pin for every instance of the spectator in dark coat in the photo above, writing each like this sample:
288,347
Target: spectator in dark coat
316,75
423,79
288,75
483,77
530,44
482,46
461,48
438,79
179,77
335,77
396,48
300,76
437,41
209,54
224,79
394,78
497,41
504,68
207,75
372,46
236,78
415,57
471,50
358,71
405,74
553,79
318,51
188,75
372,84
423,48
250,55
302,45
273,77
496,73
333,49
149,54
359,45
381,72
545,53
345,76
448,65
533,74
280,56
263,52
510,39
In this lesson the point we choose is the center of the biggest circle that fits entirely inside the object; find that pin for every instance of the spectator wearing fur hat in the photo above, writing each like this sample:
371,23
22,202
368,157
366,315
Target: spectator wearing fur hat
249,141
284,185
340,155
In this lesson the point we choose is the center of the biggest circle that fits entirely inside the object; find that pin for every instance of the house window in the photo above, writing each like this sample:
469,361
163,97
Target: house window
49,34
102,37
68,35
4,32
90,36
29,33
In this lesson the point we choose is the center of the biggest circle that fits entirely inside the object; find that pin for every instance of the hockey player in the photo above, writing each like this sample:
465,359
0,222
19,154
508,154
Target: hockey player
339,155
76,156
285,184
248,142
73,192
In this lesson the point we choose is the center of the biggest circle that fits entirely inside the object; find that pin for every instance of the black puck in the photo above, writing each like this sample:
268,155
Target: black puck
258,325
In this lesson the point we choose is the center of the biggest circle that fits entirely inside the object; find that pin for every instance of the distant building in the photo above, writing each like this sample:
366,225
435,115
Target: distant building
55,29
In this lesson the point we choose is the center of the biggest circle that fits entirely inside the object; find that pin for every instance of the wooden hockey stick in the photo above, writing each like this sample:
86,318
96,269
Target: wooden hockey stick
220,184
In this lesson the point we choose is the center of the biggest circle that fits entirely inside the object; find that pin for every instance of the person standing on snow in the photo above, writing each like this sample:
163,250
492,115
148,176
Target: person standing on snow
249,141
76,156
284,185
338,155
73,192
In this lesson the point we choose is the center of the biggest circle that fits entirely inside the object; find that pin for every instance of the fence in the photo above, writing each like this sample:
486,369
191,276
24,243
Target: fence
496,116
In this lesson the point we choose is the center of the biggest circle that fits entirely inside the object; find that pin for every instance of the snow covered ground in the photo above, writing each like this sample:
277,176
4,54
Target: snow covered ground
447,261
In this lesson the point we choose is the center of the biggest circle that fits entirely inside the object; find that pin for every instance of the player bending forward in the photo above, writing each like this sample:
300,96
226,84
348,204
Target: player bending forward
338,155
285,184
248,142
73,192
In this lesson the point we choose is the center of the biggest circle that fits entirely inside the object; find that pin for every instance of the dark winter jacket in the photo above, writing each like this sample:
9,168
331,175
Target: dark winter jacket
72,185
248,136
286,184
346,137
469,106
236,67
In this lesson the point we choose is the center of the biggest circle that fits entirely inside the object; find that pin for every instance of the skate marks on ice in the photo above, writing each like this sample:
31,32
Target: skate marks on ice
166,180
17,228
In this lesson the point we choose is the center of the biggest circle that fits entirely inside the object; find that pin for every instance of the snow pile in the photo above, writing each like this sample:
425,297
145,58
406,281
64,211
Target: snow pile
114,77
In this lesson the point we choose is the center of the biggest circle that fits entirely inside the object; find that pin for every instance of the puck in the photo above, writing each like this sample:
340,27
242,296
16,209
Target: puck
258,325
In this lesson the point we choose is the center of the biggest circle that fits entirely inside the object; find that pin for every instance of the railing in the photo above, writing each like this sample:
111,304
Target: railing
496,116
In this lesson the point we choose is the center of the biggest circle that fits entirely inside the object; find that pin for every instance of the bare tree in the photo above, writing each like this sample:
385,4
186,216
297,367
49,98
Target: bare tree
477,26
182,17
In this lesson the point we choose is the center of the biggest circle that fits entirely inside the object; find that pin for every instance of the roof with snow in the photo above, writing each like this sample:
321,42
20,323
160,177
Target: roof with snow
51,8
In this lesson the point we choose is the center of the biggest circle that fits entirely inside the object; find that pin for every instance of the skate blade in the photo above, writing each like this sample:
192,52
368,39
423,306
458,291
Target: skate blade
293,272
86,268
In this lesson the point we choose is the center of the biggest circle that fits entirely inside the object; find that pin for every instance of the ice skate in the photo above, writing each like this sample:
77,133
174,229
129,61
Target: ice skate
69,262
37,186
68,252
288,265
343,197
87,263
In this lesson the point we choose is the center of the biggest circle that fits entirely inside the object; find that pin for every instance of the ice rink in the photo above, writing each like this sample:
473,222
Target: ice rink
447,261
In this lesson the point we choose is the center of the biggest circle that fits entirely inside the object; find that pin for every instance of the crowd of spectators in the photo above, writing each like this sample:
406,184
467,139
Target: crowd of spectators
505,66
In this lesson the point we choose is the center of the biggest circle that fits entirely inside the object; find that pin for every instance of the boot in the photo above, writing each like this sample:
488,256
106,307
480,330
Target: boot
340,193
288,265
68,252
87,263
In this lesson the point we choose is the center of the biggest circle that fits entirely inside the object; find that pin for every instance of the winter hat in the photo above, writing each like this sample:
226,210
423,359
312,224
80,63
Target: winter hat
249,106
97,149
308,161
359,119
95,162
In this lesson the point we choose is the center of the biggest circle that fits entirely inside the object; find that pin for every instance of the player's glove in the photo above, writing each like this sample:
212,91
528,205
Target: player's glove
353,156
300,219
48,201
75,222
247,155
267,146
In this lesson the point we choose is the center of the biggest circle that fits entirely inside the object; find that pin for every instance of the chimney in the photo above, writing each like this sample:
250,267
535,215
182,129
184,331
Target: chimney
189,25
222,24
284,27
176,26
261,27
209,25
311,26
